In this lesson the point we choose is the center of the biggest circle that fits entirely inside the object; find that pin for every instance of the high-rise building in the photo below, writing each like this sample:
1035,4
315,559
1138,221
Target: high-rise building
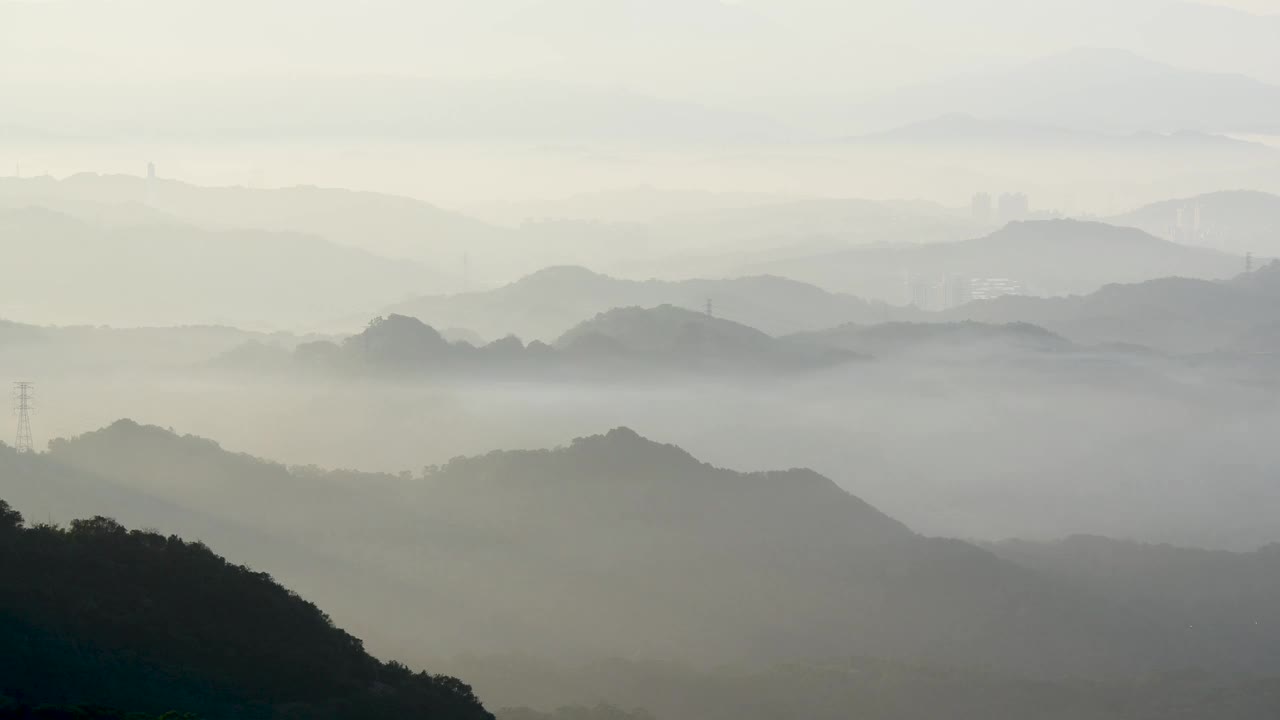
980,208
937,293
1187,224
956,291
992,288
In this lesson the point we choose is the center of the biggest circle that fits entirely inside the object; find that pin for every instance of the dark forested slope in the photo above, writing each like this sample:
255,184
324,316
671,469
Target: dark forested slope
135,619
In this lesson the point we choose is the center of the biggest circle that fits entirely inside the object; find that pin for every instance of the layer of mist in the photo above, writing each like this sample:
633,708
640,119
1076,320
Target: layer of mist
640,359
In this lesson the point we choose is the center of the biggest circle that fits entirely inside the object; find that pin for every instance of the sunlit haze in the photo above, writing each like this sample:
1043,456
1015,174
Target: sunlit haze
640,359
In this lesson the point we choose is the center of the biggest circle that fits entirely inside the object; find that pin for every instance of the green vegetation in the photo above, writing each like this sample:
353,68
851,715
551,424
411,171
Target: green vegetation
11,709
135,619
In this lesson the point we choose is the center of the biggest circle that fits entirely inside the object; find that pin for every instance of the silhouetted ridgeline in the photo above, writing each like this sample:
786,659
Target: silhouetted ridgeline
1049,257
133,619
666,341
546,304
1235,221
671,336
140,272
724,554
613,546
623,342
1178,315
385,224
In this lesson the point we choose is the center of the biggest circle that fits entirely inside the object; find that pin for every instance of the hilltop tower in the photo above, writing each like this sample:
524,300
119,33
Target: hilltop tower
23,406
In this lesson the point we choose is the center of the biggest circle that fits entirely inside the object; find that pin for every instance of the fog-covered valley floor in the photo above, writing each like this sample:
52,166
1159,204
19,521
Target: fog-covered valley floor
977,450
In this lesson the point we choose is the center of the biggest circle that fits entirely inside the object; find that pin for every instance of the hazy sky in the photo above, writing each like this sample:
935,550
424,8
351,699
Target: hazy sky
1256,6
190,69
678,48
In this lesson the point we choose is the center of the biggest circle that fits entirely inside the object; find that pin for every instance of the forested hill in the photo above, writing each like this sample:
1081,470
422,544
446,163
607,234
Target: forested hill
548,303
1172,314
98,613
628,342
540,550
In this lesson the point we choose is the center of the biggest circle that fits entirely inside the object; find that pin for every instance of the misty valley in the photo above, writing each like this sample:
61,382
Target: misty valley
640,360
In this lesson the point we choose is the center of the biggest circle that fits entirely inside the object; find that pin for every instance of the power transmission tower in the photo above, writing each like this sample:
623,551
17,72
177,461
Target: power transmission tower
1248,262
23,406
710,308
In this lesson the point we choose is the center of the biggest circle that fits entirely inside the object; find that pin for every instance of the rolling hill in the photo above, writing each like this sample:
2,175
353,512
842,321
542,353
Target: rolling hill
1238,222
615,545
548,303
1177,315
83,272
1051,257
671,336
623,343
685,234
387,225
1230,39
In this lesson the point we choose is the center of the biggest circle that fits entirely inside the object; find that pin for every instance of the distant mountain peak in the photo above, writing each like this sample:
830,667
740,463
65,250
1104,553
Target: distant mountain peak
1060,230
130,433
401,328
554,275
622,445
562,271
624,456
624,434
665,327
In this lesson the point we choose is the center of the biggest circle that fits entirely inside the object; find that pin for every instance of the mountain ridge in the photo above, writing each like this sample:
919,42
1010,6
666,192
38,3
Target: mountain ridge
393,226
522,519
1178,315
1047,257
549,302
1240,221
151,261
